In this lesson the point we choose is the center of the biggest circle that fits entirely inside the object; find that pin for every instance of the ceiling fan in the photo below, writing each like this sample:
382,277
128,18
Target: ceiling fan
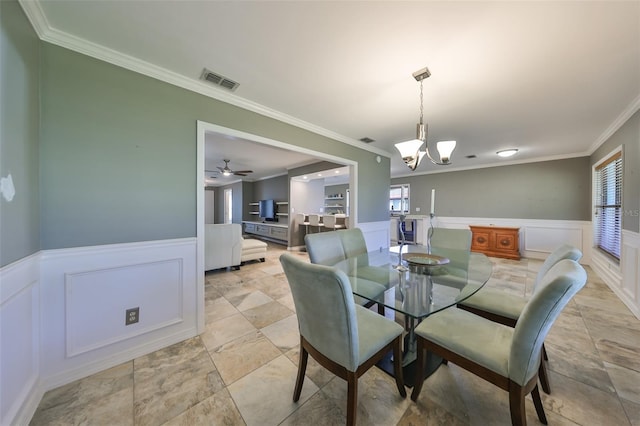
226,171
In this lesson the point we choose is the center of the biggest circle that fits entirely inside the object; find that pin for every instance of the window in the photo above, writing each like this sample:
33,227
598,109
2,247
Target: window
399,199
228,205
608,204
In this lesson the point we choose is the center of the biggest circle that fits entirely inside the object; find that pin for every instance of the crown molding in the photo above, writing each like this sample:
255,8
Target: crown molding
36,16
633,107
448,169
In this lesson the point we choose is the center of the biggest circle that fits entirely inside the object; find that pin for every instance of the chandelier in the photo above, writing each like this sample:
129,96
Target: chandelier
410,150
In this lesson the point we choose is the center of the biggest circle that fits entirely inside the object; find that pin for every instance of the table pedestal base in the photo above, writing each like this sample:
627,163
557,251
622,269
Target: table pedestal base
409,370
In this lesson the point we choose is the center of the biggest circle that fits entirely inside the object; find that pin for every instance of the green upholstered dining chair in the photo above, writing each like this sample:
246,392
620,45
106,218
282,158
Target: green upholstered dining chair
449,238
343,337
505,308
331,248
505,356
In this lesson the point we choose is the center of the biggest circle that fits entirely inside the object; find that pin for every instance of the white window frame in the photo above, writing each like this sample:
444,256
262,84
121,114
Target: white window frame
405,198
608,212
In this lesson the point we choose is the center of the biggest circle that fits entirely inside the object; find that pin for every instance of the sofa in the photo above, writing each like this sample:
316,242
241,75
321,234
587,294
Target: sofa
222,245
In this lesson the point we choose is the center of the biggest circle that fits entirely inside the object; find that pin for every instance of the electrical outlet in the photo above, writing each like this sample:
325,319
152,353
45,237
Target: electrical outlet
132,316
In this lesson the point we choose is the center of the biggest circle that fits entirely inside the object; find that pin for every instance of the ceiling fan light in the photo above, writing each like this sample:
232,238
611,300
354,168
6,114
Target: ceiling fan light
507,152
445,149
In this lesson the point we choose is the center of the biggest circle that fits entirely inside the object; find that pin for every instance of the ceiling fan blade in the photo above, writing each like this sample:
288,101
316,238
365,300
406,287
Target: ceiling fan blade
243,171
239,174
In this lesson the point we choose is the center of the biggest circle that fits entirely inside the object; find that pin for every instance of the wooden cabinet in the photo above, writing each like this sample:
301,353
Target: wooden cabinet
496,241
272,232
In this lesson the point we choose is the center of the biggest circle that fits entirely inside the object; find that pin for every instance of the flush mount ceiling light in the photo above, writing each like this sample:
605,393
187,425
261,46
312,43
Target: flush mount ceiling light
507,152
410,150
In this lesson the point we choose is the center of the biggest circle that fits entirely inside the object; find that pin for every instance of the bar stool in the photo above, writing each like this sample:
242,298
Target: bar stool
330,222
303,219
315,221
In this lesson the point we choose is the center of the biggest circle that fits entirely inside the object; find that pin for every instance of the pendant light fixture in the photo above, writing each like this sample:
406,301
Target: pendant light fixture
410,150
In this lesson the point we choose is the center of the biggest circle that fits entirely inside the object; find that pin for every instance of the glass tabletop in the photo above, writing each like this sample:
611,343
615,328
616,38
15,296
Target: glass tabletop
423,284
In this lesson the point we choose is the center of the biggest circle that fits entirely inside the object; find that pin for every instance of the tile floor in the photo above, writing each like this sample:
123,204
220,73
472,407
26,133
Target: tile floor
242,369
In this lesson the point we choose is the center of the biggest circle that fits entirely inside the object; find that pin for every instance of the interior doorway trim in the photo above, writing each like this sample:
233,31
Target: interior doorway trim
202,128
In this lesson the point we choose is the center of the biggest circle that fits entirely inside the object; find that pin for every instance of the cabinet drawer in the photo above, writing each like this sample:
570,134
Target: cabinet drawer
249,227
480,241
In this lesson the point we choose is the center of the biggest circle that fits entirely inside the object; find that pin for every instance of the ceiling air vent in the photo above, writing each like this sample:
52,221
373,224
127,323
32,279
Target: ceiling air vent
366,140
219,80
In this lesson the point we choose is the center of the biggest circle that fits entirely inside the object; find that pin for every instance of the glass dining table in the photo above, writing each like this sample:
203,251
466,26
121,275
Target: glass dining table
413,286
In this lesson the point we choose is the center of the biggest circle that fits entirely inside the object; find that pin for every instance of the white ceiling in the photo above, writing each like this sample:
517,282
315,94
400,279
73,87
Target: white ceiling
553,79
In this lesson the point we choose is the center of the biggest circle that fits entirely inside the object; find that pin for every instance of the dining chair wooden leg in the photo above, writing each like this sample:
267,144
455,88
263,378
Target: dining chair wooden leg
302,368
544,378
352,397
381,309
417,387
397,366
516,405
537,402
544,353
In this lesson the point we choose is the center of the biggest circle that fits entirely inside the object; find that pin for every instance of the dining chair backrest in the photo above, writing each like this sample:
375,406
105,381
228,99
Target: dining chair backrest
449,238
329,248
558,286
325,309
565,251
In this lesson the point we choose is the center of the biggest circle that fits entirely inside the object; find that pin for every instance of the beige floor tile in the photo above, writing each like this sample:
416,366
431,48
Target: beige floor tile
243,355
626,382
284,333
225,330
633,412
218,409
172,380
583,404
217,309
266,314
264,396
318,410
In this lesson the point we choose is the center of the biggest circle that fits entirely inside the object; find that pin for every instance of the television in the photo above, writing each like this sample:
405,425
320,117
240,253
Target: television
267,210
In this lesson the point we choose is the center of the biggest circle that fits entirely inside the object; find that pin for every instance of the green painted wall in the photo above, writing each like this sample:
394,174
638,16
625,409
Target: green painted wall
556,190
119,153
628,136
19,133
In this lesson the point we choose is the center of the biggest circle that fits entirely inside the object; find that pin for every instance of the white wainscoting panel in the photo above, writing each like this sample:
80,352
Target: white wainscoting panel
97,302
19,341
537,237
630,265
376,234
85,292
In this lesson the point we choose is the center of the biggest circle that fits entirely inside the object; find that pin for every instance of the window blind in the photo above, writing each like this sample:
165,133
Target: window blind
608,204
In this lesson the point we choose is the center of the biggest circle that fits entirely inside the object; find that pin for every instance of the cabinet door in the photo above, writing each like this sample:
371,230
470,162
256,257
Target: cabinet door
506,240
481,240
